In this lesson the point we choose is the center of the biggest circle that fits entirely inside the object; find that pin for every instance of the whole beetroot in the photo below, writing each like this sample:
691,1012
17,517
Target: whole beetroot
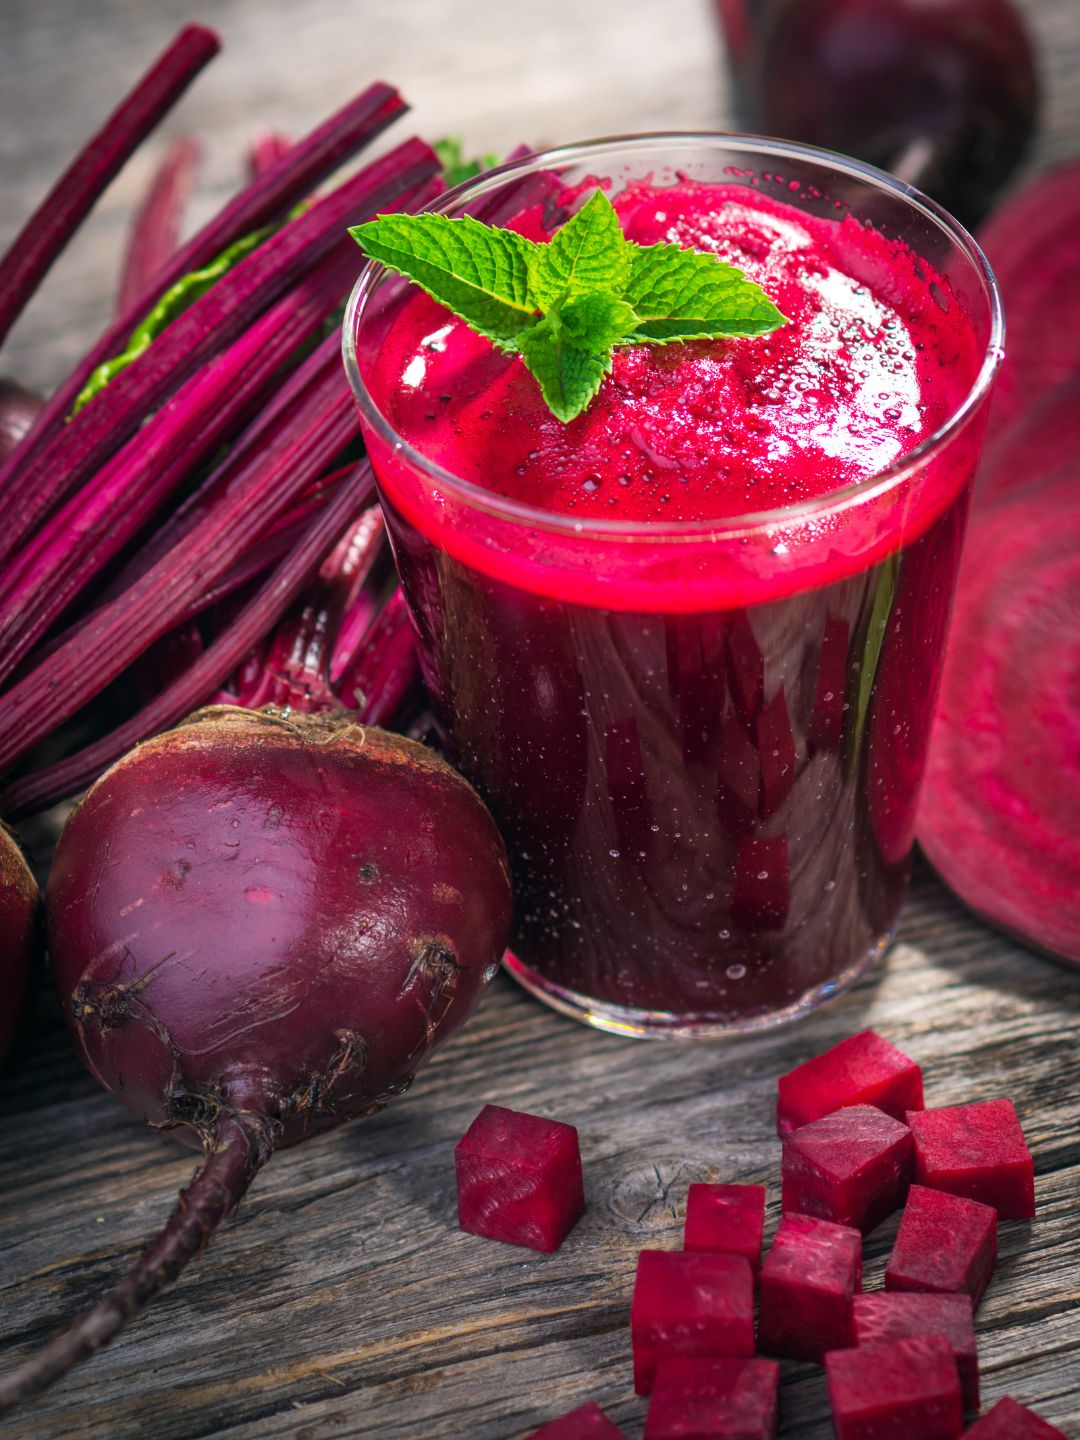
261,925
19,903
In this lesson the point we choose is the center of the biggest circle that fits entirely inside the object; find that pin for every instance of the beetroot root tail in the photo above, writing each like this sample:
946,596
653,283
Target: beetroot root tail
236,1150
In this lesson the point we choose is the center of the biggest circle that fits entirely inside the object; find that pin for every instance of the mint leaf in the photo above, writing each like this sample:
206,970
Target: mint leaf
687,295
477,271
589,252
569,375
455,168
563,305
596,320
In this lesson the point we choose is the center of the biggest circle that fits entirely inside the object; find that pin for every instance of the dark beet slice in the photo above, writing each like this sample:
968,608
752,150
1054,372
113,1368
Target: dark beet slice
807,1283
718,1399
852,1167
726,1219
998,813
689,1305
944,1244
776,747
519,1178
587,1422
1033,243
864,1069
978,1151
1010,1421
896,1391
885,1315
1038,445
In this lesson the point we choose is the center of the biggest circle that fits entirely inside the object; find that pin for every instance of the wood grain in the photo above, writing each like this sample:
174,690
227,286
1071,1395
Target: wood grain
343,1302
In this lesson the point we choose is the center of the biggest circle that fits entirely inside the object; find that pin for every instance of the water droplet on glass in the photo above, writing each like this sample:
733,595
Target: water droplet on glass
735,972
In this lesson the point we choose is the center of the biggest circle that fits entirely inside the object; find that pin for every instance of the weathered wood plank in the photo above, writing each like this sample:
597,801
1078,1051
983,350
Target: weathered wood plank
342,1302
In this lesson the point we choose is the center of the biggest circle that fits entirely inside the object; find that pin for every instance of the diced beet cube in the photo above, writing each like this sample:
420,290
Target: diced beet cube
852,1167
1010,1421
944,1244
895,1391
728,1219
714,1400
519,1178
977,1151
807,1283
886,1315
689,1303
864,1069
587,1422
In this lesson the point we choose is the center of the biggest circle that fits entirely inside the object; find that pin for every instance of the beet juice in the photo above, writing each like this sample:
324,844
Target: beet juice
687,646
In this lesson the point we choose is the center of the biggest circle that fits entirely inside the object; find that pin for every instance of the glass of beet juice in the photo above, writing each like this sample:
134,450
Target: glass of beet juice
687,646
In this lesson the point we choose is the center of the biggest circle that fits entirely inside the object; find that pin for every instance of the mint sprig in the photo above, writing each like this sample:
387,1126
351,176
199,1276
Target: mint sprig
564,305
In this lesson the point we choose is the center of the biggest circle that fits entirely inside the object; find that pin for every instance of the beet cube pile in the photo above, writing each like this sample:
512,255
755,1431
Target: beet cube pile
858,1146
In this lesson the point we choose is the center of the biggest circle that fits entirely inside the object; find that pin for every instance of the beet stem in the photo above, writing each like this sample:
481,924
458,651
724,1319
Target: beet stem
155,231
200,332
296,174
44,787
70,200
240,1147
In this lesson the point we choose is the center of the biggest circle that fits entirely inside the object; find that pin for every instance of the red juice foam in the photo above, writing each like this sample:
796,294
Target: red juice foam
701,734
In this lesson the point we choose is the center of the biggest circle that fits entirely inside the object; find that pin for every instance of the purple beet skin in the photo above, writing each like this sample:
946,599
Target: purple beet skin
726,1219
587,1422
720,1399
807,1283
1010,1421
519,1178
978,1151
687,1304
852,1167
945,1244
898,1390
19,906
896,1316
864,1069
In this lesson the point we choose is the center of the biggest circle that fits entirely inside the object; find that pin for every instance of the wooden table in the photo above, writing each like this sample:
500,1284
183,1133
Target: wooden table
343,1301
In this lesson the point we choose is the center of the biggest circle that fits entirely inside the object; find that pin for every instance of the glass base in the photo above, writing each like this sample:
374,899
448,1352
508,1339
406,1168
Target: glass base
666,1025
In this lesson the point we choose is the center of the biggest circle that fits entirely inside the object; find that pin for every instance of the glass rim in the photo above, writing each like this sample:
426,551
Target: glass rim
716,527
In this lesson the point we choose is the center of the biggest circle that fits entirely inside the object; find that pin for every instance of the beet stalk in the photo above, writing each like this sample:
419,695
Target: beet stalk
295,667
307,164
19,904
266,150
67,461
386,668
70,200
19,409
75,543
381,908
155,231
45,787
120,631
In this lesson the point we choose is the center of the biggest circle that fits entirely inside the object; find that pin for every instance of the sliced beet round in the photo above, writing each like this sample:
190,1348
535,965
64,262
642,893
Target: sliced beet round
998,813
1043,442
1033,243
